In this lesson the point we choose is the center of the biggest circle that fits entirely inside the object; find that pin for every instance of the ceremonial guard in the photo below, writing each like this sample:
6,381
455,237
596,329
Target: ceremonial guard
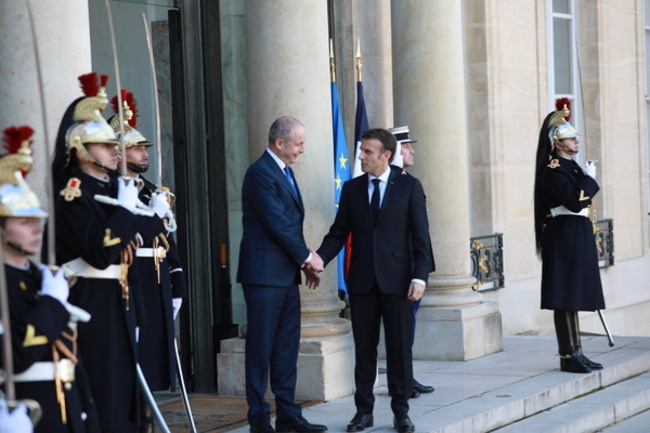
160,275
564,234
47,365
97,225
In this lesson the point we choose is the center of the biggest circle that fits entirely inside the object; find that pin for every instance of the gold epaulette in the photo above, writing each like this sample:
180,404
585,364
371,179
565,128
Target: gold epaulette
554,163
72,189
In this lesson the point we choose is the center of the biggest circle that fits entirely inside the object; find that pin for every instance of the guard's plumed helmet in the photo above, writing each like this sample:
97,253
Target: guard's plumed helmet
88,124
16,197
559,126
132,137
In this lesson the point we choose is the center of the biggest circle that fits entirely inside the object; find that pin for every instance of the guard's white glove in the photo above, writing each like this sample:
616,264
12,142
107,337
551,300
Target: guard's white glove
127,194
15,422
55,285
160,204
176,306
590,169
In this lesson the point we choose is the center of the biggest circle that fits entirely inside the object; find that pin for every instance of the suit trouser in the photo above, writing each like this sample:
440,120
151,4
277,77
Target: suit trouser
367,311
272,343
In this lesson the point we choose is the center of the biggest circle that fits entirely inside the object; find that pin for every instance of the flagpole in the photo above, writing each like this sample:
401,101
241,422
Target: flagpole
358,60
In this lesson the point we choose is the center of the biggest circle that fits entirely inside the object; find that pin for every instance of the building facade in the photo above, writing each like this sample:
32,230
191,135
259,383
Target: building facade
472,79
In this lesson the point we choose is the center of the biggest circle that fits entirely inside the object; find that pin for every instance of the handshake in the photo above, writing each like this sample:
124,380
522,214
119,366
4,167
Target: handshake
312,269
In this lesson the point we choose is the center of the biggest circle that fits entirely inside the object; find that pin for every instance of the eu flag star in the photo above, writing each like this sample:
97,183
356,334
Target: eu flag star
337,181
343,160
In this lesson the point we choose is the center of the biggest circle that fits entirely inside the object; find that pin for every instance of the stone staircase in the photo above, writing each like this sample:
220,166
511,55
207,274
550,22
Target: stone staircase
520,389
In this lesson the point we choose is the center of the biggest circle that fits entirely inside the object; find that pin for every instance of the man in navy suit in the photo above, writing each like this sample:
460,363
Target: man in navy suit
386,214
272,252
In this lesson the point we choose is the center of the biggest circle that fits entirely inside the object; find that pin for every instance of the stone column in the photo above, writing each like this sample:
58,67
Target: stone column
429,95
63,40
288,74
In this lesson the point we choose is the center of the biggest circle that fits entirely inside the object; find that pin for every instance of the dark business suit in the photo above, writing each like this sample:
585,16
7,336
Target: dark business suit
386,255
271,252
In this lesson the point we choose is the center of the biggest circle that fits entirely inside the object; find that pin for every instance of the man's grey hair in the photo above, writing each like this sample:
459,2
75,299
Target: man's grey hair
282,127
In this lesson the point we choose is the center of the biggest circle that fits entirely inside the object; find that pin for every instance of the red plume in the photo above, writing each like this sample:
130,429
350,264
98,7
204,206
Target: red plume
14,136
131,102
104,80
133,105
88,83
560,103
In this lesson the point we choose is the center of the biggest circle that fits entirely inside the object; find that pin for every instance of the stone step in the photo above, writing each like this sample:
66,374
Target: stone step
591,412
521,399
636,424
494,391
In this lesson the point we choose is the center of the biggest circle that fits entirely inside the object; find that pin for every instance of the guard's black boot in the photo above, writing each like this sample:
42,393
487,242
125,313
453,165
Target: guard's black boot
570,358
575,337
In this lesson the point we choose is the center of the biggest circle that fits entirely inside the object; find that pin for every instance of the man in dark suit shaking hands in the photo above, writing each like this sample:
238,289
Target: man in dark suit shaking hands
386,214
272,252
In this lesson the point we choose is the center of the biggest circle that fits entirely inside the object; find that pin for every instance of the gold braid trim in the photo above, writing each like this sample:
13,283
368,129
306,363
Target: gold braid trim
60,395
126,260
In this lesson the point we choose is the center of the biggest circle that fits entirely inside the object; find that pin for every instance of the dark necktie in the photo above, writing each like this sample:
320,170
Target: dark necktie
374,201
287,172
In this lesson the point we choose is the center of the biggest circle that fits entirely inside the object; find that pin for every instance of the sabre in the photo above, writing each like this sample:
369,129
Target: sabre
120,111
155,103
169,220
609,335
150,400
186,399
51,231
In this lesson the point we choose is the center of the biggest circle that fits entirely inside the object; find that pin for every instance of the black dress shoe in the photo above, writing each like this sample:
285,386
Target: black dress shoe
414,394
297,424
589,363
573,364
360,422
263,426
404,424
422,389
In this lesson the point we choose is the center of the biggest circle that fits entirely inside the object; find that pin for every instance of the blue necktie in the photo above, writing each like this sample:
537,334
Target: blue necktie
374,202
287,172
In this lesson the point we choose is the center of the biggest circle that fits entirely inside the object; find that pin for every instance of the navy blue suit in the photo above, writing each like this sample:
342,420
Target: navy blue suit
271,252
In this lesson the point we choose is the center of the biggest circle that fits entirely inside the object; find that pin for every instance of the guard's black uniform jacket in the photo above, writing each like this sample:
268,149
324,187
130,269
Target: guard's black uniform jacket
36,322
156,342
98,233
570,273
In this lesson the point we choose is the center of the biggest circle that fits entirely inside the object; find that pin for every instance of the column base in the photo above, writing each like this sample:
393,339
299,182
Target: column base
325,368
458,333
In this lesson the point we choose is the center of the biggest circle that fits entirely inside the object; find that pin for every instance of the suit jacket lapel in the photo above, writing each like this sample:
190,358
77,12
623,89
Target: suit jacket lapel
282,179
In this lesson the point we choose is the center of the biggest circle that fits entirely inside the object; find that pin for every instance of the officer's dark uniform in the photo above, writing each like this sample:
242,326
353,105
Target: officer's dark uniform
36,322
570,273
156,343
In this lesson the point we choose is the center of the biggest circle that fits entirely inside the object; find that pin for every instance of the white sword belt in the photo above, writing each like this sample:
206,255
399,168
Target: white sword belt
561,210
80,268
159,252
47,371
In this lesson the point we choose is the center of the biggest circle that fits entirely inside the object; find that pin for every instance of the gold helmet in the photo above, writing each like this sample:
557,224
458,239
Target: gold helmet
559,126
132,137
16,197
88,124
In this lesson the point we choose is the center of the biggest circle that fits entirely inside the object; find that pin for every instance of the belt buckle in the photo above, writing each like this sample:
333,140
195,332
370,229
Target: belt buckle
65,370
159,253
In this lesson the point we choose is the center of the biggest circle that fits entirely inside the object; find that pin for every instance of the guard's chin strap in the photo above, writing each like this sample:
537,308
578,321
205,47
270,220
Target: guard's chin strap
136,168
12,244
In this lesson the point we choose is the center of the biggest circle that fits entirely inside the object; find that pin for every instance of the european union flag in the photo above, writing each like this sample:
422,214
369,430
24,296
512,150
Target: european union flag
341,171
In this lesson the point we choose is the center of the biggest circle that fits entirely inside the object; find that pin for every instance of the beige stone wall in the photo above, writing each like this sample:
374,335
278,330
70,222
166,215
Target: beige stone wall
507,94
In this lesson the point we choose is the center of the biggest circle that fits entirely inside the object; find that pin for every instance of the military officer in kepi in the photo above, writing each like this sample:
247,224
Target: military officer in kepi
97,225
46,361
564,194
160,275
